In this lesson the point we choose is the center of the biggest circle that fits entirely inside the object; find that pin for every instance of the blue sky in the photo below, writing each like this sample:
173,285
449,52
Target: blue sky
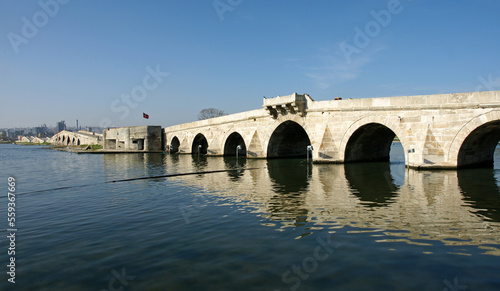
88,60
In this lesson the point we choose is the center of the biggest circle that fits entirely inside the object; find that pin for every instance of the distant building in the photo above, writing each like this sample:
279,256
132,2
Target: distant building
61,125
41,131
133,138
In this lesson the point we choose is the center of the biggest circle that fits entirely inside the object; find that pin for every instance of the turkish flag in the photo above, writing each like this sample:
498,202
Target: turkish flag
145,115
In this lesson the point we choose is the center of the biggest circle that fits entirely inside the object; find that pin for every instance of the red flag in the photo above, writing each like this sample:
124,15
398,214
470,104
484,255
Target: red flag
145,115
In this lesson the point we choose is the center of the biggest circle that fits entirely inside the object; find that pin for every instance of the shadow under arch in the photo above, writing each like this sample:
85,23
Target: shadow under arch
174,145
372,183
289,140
480,189
200,145
235,144
369,143
478,148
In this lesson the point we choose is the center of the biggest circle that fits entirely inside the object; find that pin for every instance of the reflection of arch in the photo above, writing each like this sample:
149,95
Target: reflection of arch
370,139
288,176
200,145
174,145
290,140
235,143
373,183
480,191
475,143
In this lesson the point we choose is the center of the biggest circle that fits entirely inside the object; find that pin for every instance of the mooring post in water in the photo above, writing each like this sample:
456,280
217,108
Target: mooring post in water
199,149
238,148
309,149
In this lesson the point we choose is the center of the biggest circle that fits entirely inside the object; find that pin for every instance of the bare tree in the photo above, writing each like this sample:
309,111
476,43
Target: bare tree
210,113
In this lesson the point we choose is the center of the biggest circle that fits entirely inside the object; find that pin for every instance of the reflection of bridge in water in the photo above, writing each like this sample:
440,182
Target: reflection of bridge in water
455,208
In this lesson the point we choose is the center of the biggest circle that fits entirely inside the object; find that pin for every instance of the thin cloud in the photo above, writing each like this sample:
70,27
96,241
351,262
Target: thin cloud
337,71
336,68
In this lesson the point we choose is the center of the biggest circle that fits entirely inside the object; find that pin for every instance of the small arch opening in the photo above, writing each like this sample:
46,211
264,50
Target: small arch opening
478,148
235,145
200,145
370,143
289,140
174,145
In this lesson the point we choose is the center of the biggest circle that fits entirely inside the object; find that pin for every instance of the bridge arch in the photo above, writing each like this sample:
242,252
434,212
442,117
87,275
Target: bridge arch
288,140
475,143
369,139
200,145
174,145
235,143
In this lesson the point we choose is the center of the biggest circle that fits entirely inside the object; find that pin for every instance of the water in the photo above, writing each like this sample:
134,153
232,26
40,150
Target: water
277,225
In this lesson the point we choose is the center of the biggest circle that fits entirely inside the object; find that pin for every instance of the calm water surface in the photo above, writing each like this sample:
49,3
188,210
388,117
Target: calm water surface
265,225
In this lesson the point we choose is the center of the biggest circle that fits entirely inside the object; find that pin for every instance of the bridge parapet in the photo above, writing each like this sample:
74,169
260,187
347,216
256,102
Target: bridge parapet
293,104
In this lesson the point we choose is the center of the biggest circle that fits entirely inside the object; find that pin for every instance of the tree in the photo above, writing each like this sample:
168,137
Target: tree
210,113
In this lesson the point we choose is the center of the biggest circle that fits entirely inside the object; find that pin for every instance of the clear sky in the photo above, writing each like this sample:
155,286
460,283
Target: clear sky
107,62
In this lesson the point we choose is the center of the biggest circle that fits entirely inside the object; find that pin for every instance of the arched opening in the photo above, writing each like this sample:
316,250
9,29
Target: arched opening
73,141
289,140
67,140
78,142
235,144
478,149
370,143
174,145
63,139
200,145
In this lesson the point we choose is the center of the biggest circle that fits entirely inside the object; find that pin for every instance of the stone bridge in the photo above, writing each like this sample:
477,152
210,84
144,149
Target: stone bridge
436,131
69,138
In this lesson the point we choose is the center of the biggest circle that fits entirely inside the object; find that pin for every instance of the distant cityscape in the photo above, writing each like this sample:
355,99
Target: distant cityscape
42,131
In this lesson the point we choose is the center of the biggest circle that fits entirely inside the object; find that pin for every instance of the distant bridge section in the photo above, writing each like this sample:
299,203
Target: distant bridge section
436,131
69,138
